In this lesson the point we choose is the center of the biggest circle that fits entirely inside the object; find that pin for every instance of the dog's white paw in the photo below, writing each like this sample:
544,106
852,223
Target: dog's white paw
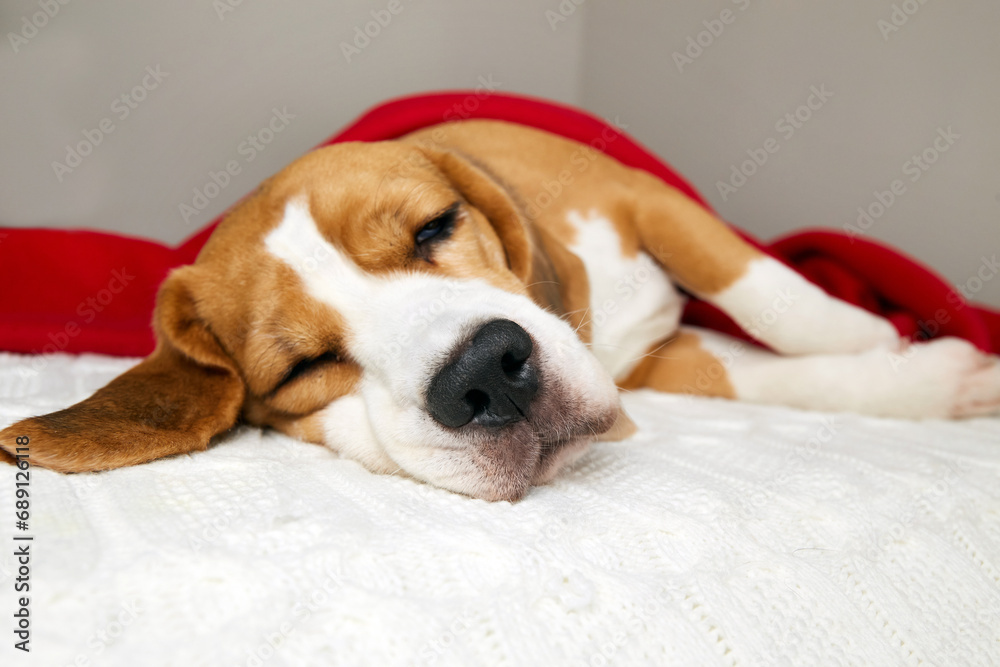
949,378
979,391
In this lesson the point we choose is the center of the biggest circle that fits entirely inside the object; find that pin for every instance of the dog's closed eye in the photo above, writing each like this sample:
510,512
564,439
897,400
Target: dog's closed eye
438,227
306,367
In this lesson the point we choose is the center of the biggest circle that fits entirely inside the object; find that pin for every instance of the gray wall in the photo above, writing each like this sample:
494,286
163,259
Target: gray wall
891,94
888,92
224,77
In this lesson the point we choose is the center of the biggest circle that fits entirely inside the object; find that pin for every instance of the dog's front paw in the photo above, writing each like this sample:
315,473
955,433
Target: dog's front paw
953,378
979,388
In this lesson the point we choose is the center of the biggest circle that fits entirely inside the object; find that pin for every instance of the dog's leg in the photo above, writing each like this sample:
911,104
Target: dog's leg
767,299
944,378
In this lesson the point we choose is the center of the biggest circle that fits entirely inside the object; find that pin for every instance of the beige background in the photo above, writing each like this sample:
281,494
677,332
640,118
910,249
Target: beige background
891,93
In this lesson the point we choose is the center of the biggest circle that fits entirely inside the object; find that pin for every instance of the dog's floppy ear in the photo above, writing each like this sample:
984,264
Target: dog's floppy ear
486,194
186,391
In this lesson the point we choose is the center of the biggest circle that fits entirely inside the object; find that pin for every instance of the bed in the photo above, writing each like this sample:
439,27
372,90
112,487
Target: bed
721,534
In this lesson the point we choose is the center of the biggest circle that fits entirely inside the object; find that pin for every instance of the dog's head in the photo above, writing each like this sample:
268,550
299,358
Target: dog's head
375,298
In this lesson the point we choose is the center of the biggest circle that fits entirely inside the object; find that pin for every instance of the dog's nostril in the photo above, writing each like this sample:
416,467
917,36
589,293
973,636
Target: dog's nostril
511,364
479,401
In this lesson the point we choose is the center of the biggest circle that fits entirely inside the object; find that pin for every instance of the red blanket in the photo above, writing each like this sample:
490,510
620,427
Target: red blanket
87,291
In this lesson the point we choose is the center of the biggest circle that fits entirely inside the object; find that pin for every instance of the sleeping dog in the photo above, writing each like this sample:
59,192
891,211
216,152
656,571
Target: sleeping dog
422,307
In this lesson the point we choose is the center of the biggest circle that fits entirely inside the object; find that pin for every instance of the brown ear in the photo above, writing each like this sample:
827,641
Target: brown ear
186,391
484,192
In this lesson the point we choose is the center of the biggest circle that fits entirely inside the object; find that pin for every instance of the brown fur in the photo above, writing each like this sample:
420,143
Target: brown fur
681,366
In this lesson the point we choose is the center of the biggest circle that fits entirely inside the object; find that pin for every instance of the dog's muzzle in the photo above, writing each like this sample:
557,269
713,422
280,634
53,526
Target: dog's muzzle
491,382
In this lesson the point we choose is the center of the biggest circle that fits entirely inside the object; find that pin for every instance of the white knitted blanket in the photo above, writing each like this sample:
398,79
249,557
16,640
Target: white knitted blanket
723,534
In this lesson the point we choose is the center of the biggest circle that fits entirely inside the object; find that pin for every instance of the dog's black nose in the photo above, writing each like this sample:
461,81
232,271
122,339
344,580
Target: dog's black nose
490,383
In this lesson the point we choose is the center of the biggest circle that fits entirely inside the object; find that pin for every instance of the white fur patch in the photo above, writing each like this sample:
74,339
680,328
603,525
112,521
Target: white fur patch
328,275
633,304
779,307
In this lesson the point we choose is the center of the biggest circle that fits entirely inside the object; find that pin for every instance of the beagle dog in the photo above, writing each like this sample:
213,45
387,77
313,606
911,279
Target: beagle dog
435,307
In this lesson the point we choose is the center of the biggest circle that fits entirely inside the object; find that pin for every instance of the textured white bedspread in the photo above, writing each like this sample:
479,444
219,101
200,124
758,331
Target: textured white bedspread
723,534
